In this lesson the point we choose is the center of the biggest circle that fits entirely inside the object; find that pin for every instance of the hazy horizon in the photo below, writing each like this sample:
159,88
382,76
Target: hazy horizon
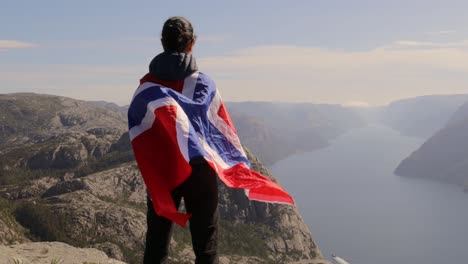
258,101
359,53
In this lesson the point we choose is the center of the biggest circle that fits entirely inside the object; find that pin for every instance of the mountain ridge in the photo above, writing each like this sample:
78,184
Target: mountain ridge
444,156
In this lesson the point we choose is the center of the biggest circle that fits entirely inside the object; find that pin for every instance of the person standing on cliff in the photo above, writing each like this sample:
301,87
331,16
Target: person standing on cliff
184,140
200,190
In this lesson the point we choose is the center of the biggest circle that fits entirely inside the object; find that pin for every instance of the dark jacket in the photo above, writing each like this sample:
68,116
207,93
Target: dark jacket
172,66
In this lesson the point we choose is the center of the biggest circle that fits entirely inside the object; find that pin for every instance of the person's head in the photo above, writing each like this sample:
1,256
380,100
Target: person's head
177,35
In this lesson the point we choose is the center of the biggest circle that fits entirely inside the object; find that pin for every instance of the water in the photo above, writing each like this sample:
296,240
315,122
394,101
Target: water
356,208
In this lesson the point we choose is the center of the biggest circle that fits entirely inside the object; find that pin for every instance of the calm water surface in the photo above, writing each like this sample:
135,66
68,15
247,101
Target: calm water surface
356,208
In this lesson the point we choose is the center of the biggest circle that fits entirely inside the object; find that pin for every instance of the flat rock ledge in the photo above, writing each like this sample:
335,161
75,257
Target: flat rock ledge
52,253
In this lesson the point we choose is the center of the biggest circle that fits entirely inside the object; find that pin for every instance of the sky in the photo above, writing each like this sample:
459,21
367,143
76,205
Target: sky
356,53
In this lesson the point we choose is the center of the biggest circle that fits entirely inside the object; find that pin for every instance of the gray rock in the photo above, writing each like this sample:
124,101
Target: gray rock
47,252
111,250
65,187
109,207
34,189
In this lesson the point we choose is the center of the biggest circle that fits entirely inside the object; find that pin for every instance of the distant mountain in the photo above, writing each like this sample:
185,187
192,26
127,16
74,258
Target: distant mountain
422,116
460,115
444,156
111,106
67,174
273,131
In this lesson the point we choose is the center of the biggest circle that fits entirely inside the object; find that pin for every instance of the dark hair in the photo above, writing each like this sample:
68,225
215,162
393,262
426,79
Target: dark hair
176,34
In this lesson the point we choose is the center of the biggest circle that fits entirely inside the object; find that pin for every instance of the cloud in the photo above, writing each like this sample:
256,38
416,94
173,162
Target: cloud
310,74
114,83
15,44
276,73
427,44
441,32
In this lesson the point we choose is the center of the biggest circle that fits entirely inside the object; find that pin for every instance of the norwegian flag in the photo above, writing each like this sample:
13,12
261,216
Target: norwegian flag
168,127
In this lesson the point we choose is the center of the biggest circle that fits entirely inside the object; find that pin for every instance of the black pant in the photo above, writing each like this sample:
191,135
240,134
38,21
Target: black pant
200,193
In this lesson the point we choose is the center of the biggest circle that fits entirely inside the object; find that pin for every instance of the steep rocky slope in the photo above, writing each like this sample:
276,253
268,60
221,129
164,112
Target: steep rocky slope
421,116
444,156
100,200
273,131
106,210
44,134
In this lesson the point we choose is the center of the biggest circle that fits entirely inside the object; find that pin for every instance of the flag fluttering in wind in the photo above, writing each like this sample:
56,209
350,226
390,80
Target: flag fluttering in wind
170,127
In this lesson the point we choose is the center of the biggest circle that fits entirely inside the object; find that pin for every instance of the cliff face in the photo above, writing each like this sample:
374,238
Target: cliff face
421,116
101,202
444,156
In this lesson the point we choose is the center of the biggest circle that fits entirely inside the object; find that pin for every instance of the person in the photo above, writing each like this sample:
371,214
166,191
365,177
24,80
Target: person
184,141
199,191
